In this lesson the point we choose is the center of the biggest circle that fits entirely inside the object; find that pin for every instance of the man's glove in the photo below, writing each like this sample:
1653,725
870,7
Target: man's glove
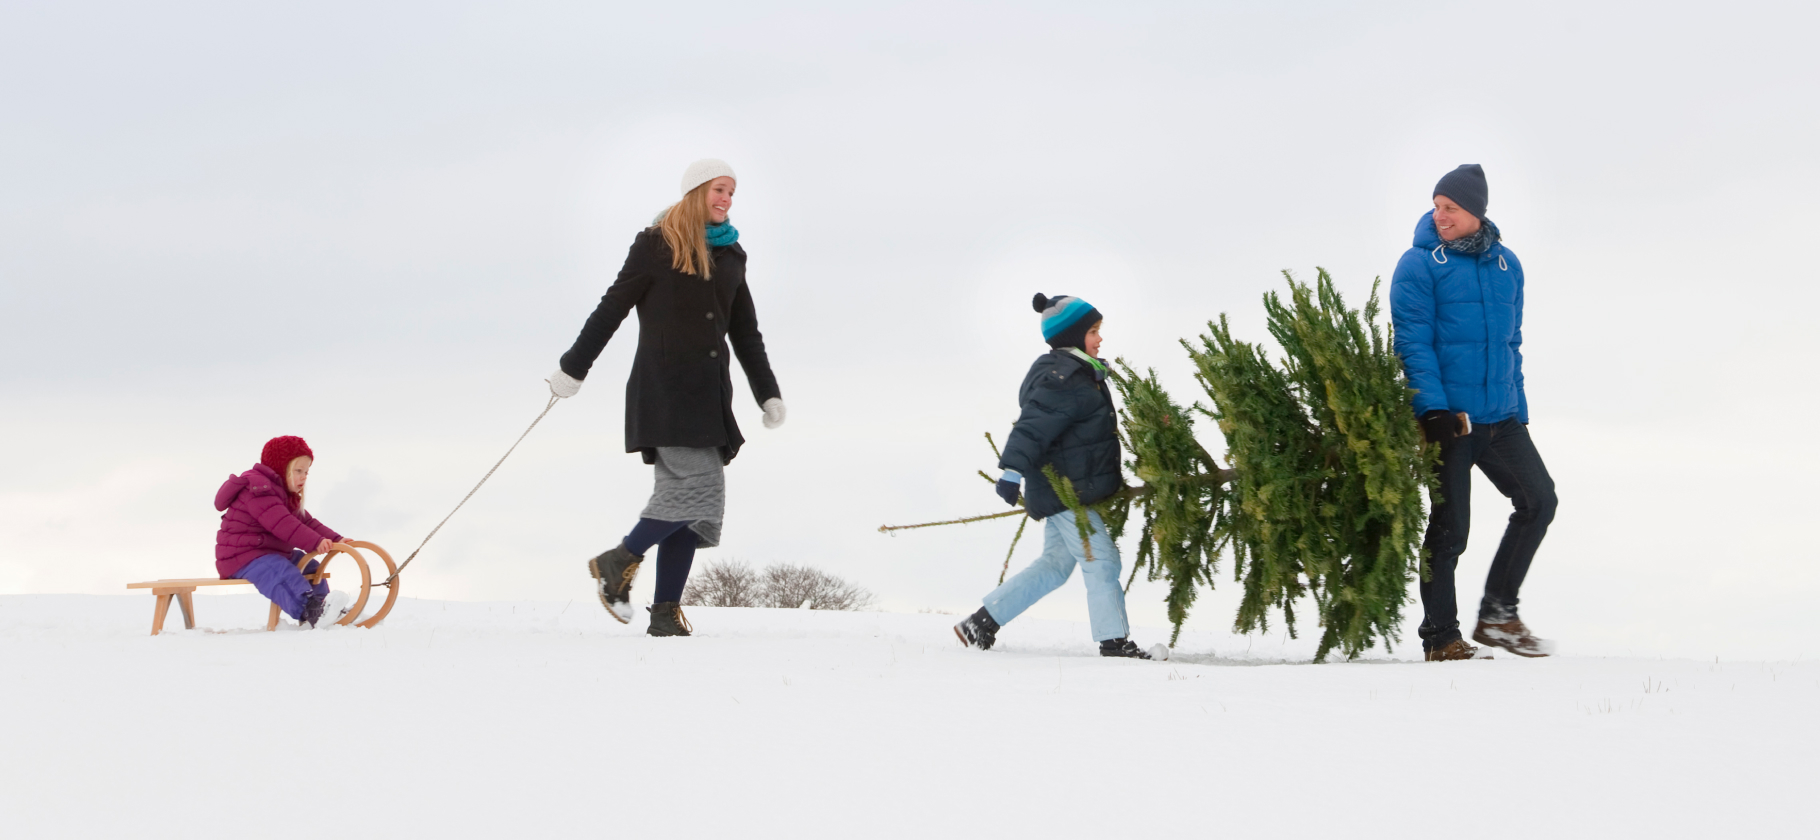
563,385
1008,490
1440,425
774,412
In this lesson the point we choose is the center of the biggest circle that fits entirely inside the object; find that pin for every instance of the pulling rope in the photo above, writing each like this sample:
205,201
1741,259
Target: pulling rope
464,499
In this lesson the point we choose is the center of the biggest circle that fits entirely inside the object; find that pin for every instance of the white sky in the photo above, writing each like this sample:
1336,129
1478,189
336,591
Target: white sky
379,227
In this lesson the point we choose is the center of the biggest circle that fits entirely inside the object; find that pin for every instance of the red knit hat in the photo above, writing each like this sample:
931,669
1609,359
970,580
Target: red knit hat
279,452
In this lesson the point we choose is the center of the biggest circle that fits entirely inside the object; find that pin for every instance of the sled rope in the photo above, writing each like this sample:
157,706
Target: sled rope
464,499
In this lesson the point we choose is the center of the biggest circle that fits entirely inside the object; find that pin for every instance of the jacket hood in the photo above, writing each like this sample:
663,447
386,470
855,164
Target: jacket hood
1428,239
1426,236
260,479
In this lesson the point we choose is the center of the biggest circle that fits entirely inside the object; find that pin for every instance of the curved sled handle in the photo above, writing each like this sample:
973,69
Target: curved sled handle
391,584
366,575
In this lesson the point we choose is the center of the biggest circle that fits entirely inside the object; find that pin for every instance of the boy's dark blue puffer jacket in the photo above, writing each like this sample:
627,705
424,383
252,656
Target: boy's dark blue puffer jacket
1459,328
1067,420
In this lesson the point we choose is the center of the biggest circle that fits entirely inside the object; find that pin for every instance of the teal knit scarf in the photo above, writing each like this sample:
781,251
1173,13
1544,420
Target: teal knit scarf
722,235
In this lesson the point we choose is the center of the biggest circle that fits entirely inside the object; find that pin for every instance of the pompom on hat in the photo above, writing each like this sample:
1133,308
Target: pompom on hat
703,171
279,452
1066,319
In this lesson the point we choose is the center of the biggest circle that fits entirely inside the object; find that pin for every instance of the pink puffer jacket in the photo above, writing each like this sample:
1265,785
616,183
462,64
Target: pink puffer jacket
258,519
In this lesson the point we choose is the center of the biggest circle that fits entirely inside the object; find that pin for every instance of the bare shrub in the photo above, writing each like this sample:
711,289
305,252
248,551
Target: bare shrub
788,586
728,583
723,583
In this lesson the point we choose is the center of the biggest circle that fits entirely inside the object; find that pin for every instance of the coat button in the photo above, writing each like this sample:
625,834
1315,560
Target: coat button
713,354
710,316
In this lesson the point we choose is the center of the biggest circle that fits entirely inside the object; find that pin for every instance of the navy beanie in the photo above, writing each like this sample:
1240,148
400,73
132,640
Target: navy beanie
1466,186
1066,320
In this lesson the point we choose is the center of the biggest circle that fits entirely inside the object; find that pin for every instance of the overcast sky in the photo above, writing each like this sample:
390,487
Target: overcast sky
378,225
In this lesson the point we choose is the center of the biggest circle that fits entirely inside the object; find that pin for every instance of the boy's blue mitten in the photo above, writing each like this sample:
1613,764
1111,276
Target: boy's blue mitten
1008,487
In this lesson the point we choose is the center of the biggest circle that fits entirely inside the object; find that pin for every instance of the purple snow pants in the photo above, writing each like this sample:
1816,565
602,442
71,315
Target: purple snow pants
276,577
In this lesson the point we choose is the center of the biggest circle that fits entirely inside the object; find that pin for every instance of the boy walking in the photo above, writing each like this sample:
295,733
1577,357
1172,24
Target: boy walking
1066,422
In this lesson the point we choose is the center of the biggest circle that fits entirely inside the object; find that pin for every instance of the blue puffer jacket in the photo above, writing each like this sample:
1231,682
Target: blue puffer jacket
1459,328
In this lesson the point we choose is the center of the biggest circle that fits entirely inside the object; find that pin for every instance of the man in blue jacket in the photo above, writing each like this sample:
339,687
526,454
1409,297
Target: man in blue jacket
1456,301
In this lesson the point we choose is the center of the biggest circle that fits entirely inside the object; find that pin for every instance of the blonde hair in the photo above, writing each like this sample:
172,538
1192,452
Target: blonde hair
685,230
286,478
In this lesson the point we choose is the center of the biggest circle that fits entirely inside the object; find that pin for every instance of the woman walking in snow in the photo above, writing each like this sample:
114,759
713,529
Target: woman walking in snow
686,276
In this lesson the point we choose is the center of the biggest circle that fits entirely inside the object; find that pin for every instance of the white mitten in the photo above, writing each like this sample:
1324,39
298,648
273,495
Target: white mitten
774,412
563,385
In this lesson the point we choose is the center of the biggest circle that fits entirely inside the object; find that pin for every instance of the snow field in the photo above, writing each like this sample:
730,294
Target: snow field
551,720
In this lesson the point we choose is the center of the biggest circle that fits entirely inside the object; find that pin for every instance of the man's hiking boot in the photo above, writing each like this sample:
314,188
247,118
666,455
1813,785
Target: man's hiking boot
977,630
1122,647
1455,650
1512,636
613,573
667,620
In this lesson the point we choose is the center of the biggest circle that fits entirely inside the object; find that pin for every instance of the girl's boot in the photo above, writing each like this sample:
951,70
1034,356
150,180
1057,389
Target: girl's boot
322,612
667,620
613,573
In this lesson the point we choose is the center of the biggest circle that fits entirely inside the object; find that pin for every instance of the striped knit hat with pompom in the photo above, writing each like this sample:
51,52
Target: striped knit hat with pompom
1066,319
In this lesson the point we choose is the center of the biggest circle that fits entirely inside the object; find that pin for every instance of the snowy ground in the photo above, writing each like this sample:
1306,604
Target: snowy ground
548,720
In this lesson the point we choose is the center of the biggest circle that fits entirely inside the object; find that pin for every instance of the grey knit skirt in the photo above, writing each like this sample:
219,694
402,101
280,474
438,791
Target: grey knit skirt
692,488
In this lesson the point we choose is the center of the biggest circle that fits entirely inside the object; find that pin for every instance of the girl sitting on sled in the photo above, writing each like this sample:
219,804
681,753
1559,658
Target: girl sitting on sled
265,531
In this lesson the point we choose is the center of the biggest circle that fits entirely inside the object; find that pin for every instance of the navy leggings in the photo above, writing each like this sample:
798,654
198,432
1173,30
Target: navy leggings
675,543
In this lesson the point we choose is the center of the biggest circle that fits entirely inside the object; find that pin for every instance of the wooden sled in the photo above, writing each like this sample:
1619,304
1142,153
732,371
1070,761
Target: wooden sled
181,589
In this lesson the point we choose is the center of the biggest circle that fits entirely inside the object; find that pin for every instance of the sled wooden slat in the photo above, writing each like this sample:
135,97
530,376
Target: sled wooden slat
166,590
182,583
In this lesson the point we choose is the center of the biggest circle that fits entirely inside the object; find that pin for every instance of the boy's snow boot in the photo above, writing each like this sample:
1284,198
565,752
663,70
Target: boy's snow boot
1122,647
667,620
1453,651
613,573
977,630
1512,636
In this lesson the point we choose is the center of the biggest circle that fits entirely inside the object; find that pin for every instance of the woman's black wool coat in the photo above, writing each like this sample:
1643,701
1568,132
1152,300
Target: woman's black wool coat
681,389
1067,422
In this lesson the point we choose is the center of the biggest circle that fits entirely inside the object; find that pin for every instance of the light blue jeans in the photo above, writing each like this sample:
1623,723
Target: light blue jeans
1061,553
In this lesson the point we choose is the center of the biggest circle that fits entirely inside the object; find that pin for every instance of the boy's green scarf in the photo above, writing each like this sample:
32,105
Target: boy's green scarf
1099,368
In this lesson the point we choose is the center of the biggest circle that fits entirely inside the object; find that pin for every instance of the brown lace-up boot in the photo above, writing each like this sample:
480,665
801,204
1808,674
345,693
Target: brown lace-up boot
1454,650
613,573
667,620
1512,636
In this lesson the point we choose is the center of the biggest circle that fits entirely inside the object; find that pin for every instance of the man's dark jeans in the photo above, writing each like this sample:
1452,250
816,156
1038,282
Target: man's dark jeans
1504,452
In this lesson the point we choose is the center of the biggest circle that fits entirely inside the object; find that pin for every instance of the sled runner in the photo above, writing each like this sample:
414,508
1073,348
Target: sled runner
181,589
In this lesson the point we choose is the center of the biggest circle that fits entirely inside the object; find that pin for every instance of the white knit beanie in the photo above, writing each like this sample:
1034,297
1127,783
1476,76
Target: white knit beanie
703,171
